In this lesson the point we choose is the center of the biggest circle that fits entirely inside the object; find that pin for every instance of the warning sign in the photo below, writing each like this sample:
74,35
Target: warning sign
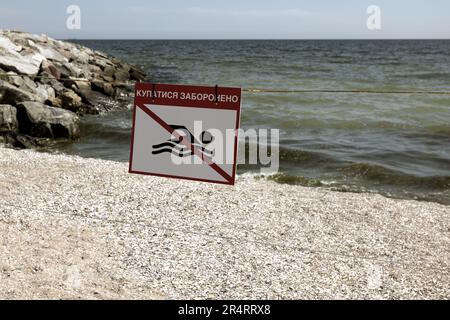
187,132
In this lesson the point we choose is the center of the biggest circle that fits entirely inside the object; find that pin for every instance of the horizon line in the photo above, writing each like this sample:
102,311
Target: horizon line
256,39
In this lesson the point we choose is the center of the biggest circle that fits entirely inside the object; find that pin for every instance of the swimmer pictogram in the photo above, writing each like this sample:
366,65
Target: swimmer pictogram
187,132
178,146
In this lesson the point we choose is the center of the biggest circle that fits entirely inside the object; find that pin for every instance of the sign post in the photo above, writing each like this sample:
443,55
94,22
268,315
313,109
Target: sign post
186,132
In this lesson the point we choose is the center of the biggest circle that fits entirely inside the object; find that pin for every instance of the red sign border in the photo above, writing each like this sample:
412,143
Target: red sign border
197,104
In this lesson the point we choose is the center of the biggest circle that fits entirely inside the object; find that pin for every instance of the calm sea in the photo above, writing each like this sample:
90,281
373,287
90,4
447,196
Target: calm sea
397,145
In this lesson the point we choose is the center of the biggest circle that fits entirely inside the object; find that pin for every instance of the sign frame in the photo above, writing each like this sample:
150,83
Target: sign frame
156,94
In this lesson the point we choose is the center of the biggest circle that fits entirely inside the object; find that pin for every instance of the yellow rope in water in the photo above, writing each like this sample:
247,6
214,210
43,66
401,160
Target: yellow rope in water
264,90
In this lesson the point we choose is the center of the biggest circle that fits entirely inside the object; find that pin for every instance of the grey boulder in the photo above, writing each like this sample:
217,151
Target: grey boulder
26,62
8,119
70,100
136,74
10,94
38,120
103,87
22,82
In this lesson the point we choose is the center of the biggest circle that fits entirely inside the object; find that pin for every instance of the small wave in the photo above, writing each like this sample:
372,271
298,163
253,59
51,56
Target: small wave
394,178
426,76
107,134
304,157
296,180
434,75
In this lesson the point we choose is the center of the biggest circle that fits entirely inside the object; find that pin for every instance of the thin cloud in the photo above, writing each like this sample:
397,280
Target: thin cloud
251,13
143,10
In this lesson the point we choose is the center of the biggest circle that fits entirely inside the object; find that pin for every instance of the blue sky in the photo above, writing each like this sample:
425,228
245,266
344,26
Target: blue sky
199,19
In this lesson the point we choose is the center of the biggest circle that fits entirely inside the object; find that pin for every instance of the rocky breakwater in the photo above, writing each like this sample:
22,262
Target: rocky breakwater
46,85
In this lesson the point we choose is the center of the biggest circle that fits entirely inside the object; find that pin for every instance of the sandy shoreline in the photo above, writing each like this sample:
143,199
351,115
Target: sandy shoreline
85,228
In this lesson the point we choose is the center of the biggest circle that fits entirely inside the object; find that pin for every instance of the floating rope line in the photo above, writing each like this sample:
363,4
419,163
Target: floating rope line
266,90
344,91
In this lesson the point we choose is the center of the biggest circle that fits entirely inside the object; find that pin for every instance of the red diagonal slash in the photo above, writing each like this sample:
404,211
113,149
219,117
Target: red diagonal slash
189,145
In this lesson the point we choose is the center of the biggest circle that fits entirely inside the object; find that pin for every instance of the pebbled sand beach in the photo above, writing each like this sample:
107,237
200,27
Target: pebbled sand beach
85,228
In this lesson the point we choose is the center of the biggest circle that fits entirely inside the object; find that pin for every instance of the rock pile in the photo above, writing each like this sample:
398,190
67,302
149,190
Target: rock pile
46,84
